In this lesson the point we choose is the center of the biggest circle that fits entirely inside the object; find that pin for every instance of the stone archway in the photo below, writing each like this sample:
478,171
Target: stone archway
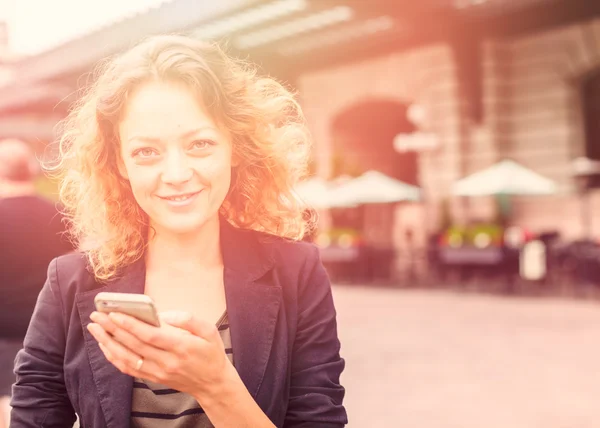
591,114
362,139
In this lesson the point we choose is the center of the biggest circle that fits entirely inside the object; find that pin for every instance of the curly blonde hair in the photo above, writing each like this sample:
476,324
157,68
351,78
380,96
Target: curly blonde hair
269,137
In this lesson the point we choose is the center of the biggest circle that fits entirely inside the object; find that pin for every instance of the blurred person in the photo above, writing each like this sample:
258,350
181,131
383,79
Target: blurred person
177,171
31,235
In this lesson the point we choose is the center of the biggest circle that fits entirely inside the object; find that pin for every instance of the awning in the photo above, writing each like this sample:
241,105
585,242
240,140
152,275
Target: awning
289,37
504,178
297,31
373,187
318,193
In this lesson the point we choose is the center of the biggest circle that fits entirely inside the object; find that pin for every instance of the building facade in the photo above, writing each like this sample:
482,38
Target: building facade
526,95
534,109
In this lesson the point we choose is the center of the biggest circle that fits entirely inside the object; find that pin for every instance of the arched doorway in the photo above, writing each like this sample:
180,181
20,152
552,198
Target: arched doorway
362,140
591,102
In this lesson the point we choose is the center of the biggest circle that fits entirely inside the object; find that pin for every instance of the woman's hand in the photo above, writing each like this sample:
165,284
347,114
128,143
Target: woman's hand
185,354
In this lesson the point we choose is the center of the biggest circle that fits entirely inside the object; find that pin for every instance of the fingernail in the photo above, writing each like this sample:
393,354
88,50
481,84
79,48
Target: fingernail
94,316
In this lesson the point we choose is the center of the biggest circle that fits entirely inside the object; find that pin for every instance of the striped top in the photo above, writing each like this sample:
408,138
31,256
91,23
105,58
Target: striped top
156,406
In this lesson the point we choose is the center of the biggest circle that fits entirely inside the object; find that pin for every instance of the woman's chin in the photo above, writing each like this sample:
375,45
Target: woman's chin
182,225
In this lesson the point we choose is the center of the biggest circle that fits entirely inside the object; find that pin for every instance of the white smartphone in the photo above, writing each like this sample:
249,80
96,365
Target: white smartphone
139,306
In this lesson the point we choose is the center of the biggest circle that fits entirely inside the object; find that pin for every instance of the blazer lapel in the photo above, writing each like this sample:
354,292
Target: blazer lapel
252,303
114,388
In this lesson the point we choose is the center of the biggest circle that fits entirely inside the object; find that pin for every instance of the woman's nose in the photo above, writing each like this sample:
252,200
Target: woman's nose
177,169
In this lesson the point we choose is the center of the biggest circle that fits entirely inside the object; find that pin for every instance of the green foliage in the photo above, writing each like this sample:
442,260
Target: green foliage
466,235
47,188
335,233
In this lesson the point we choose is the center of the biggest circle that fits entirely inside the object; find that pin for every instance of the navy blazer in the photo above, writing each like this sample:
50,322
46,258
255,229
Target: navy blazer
283,331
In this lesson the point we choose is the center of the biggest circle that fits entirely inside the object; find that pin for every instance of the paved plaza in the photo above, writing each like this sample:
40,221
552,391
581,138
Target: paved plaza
433,359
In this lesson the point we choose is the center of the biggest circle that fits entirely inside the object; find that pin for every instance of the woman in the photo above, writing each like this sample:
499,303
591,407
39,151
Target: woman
177,170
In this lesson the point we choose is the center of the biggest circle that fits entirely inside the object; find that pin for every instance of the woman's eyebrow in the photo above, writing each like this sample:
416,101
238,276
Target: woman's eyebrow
187,134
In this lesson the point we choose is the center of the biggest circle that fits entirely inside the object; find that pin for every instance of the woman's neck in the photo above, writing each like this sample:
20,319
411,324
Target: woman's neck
201,249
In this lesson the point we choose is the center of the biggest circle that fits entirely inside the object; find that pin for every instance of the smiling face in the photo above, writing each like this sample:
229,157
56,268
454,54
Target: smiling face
176,158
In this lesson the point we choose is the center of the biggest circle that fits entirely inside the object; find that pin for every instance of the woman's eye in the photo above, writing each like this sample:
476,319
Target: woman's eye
200,145
145,152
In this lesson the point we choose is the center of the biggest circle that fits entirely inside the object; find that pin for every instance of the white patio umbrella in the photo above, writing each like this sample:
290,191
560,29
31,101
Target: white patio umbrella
504,178
373,187
318,193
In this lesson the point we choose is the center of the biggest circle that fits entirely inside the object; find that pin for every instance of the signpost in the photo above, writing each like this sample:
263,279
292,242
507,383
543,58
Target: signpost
420,140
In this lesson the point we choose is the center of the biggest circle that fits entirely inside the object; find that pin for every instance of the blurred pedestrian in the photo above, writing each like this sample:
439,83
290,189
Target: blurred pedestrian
31,234
179,168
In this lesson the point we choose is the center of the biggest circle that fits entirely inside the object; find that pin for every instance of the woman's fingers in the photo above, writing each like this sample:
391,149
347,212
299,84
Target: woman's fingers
157,337
128,339
118,333
114,351
123,358
186,321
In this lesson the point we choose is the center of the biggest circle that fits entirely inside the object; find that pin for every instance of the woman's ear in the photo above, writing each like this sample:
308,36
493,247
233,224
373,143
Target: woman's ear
235,161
